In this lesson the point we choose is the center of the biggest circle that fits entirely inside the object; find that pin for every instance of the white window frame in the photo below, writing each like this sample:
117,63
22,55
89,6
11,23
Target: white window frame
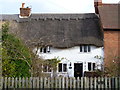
47,49
62,67
82,48
92,69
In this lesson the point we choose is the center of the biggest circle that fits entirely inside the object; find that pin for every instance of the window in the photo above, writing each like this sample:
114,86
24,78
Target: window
45,49
47,68
62,67
85,48
91,66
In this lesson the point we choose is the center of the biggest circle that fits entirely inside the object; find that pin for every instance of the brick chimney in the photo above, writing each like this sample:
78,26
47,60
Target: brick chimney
24,12
96,4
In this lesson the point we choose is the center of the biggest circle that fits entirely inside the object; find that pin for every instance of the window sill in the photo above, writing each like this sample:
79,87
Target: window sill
61,72
45,53
85,52
46,72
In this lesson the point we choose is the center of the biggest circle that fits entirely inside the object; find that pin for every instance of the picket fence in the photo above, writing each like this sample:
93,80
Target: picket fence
60,82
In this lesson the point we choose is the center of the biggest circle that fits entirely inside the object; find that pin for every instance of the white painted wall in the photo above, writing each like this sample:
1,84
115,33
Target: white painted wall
74,55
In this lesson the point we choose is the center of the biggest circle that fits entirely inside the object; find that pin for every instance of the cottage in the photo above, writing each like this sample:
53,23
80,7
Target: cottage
76,38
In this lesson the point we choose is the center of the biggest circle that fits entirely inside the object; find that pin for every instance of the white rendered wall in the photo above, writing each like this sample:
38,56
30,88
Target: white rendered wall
74,55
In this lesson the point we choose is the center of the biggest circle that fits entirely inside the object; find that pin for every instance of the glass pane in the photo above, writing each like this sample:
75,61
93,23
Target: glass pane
44,50
44,68
40,49
49,68
89,49
89,66
64,67
93,66
80,48
60,67
85,48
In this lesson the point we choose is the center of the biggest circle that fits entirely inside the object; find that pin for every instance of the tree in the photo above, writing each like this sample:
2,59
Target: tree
16,57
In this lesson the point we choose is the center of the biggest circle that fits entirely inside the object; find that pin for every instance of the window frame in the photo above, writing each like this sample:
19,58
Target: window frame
47,68
63,67
85,48
93,66
45,49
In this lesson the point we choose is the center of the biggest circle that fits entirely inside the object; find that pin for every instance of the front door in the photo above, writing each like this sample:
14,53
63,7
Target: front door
78,69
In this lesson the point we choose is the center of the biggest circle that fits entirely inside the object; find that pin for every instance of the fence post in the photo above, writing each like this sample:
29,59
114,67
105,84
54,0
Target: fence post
48,82
9,81
98,82
34,82
1,83
106,82
66,82
19,82
116,82
45,82
71,84
78,82
59,82
23,82
86,82
74,82
16,82
63,82
109,81
13,82
102,82
91,82
38,84
56,82
31,82
41,82
82,82
95,83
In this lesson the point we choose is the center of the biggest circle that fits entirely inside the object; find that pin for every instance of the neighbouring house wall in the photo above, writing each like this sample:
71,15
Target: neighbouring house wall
74,55
111,46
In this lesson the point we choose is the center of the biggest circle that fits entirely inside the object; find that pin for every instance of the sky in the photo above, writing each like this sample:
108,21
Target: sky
50,6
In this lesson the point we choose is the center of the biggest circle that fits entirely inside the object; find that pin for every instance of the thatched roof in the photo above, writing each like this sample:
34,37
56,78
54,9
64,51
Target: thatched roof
58,30
110,16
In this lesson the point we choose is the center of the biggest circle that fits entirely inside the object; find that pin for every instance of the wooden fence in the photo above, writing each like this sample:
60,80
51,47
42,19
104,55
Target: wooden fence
61,82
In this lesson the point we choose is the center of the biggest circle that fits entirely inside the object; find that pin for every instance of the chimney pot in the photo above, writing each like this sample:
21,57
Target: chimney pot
23,5
96,4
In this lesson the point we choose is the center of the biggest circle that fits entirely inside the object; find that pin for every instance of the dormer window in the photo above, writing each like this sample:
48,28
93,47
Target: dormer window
85,48
45,49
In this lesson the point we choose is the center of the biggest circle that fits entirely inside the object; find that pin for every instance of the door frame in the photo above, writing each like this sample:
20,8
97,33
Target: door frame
81,72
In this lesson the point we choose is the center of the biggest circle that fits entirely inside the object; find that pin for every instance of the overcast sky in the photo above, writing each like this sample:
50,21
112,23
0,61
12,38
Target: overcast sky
50,6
